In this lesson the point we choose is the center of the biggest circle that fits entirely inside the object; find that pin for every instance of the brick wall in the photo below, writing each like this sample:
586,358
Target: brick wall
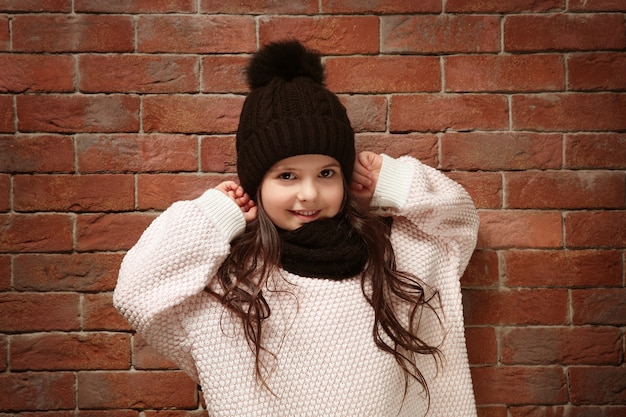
111,110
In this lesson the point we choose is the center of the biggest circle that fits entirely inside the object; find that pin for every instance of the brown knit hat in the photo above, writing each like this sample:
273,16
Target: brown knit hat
289,112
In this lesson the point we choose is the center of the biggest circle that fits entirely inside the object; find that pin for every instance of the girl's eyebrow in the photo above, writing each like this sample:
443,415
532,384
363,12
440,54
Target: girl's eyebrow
294,168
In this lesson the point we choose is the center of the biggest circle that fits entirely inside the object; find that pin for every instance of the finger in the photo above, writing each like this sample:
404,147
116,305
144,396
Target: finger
239,191
250,214
363,179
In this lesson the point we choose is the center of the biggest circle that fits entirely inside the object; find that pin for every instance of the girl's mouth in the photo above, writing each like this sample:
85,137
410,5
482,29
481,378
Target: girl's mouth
307,214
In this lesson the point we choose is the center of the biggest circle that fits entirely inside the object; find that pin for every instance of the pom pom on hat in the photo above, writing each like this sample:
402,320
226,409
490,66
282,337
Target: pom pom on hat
286,60
289,112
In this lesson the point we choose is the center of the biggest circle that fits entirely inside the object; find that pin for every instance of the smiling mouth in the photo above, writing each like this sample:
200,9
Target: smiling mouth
306,213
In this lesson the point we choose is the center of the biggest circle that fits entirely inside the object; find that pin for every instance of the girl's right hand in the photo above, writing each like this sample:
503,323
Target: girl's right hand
238,195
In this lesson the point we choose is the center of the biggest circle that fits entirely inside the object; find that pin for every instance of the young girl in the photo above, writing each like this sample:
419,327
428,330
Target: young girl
326,284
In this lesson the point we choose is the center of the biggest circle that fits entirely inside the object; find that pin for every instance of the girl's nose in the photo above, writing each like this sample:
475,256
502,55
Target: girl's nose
307,191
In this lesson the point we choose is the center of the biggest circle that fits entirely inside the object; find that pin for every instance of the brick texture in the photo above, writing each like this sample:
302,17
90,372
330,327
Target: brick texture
112,110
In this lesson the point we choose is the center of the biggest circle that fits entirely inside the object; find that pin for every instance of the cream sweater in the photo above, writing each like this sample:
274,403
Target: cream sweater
320,330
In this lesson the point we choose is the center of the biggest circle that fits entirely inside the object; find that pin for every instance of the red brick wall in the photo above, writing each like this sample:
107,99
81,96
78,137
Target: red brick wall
111,110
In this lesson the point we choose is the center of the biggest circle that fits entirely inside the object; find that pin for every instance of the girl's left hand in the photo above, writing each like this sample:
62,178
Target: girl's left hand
243,200
365,175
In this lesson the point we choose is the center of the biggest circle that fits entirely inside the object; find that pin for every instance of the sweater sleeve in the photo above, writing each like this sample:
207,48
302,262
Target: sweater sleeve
438,208
173,261
434,234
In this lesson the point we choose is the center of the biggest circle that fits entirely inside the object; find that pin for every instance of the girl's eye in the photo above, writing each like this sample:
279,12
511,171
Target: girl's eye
286,176
327,173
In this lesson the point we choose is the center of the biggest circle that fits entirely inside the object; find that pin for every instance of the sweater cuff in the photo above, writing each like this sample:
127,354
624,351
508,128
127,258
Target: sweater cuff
394,183
225,213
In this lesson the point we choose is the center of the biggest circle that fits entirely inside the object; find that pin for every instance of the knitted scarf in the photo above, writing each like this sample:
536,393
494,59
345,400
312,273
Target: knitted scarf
327,248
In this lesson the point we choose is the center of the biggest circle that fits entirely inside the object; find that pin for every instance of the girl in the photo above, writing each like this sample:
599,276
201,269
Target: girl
325,284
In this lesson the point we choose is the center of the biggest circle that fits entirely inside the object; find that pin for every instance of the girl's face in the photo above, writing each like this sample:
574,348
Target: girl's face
302,189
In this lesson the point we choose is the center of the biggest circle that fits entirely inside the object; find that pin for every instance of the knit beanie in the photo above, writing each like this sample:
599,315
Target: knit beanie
289,112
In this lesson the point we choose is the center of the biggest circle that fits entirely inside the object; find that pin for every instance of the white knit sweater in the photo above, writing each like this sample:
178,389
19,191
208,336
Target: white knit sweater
320,330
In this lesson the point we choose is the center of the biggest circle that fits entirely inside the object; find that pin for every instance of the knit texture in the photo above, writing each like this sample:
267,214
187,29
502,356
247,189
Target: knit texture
326,362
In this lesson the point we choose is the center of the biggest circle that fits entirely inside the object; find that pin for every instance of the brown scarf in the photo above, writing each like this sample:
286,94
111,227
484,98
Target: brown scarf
328,248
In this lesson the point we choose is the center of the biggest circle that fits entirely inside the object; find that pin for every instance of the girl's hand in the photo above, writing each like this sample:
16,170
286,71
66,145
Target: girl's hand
365,175
243,200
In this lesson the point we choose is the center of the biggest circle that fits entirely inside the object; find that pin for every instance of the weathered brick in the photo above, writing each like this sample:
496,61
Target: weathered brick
596,228
195,34
224,74
36,73
178,413
504,73
443,33
599,306
37,391
57,6
7,115
138,73
482,346
40,153
245,7
510,6
5,273
125,413
159,191
330,35
366,113
35,233
383,74
421,146
519,385
565,189
78,193
140,389
191,113
145,357
3,353
539,411
597,71
137,6
380,7
483,270
33,312
492,411
600,150
568,411
596,5
561,345
78,113
501,151
55,413
4,33
520,229
564,32
598,385
571,268
99,313
550,112
485,188
515,307
436,112
5,192
218,154
69,351
72,33
110,232
62,272
136,153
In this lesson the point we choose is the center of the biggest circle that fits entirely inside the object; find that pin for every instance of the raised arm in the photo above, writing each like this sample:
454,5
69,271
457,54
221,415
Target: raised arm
171,263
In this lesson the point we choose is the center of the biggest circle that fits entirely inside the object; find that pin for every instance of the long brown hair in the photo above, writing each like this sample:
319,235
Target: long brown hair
255,256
